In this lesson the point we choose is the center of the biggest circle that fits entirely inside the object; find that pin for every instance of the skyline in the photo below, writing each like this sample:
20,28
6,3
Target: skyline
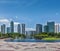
30,12
21,28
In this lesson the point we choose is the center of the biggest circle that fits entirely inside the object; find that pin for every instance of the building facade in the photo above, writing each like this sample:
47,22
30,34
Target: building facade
51,26
38,28
23,28
19,29
57,28
12,26
3,29
46,28
8,29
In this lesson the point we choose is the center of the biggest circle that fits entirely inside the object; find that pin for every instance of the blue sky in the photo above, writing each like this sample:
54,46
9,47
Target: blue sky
30,12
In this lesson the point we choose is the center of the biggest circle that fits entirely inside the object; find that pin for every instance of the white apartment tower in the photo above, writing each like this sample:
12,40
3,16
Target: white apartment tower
57,28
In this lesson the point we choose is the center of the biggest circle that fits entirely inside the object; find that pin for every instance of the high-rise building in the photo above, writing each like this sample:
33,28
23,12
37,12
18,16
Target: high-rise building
8,29
51,26
57,28
23,28
19,29
38,28
12,26
46,28
3,29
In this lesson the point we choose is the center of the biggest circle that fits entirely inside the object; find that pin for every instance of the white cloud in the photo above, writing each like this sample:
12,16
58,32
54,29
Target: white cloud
4,21
7,23
15,23
30,29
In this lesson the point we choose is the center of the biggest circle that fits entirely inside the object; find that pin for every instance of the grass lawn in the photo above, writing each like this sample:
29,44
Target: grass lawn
51,38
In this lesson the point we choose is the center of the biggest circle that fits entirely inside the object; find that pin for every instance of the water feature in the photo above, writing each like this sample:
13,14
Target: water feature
31,40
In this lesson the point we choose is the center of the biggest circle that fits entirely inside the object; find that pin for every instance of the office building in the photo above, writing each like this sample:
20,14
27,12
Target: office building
38,28
46,28
57,28
19,29
51,26
23,28
3,29
8,29
12,26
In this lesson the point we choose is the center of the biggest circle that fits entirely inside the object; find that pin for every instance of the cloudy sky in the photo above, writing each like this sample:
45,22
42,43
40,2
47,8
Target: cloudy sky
29,12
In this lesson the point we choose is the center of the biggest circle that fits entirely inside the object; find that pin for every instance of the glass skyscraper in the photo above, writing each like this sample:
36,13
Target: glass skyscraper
12,26
38,28
3,29
51,26
23,28
19,29
8,29
46,28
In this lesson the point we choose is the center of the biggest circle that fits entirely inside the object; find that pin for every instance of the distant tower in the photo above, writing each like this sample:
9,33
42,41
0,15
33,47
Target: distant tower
38,28
3,29
57,27
23,28
51,26
12,26
8,29
19,29
46,28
